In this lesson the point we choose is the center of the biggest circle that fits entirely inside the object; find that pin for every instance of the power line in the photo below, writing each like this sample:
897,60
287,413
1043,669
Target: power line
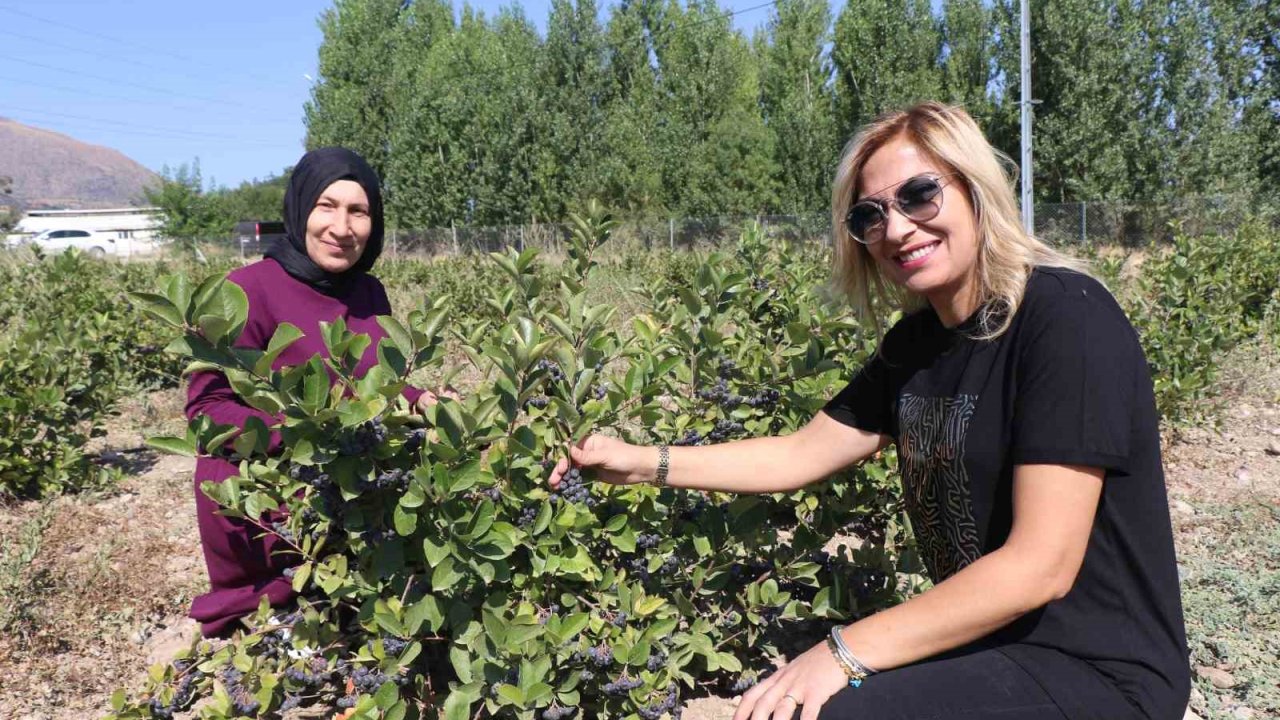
86,51
127,42
117,81
109,96
172,133
68,128
95,93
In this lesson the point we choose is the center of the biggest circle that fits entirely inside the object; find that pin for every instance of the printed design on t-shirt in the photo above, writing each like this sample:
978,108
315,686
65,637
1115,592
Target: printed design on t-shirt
936,485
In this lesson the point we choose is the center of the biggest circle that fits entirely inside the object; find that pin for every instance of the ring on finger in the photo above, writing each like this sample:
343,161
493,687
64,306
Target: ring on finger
793,699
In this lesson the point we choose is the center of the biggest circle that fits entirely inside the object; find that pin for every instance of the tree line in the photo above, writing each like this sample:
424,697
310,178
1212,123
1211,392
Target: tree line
664,109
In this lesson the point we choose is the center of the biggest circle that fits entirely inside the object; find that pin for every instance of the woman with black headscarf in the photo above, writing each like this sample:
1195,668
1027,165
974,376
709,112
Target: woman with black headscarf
319,273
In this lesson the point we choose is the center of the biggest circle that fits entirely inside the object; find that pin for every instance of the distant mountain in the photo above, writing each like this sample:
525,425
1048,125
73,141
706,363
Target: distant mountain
51,170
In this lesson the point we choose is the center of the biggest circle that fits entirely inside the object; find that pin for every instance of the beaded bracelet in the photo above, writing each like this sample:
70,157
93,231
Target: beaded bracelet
855,676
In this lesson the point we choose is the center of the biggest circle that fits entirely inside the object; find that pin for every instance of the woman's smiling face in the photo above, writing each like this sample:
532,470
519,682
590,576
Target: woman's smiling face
935,258
339,226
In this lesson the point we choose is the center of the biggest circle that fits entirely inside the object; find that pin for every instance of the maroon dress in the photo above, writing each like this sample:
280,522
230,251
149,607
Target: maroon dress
241,562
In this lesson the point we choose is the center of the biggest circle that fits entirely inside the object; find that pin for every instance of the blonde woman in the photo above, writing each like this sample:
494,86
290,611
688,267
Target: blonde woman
1020,403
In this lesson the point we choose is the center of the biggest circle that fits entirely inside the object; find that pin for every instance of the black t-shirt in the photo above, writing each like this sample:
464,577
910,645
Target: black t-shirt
1066,384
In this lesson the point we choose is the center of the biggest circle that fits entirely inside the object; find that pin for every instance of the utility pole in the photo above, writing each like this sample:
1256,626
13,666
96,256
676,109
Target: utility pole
1028,204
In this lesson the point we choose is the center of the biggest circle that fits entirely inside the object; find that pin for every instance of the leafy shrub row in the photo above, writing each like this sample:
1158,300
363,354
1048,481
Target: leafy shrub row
71,345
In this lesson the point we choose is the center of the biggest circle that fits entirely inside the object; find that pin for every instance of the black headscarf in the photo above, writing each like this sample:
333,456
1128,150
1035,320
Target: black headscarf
316,171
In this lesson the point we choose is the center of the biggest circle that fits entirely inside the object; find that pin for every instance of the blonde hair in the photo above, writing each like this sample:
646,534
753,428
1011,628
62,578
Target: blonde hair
1006,253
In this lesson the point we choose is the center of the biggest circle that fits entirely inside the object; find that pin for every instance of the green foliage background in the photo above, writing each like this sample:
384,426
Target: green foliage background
662,109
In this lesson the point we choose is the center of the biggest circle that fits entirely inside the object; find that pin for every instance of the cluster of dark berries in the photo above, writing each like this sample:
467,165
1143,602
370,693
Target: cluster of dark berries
181,697
242,700
656,661
654,711
639,566
601,656
766,398
537,401
574,489
361,439
753,569
347,701
273,645
622,686
494,493
619,620
601,390
691,437
394,646
696,504
308,474
368,680
558,713
283,531
669,565
724,430
743,683
648,541
527,515
291,702
394,479
721,395
415,440
304,677
759,284
552,368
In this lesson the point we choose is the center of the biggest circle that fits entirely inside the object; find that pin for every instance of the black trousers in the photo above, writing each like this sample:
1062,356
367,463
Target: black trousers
969,684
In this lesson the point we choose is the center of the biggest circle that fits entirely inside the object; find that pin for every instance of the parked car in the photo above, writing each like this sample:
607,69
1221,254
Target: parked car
254,235
94,243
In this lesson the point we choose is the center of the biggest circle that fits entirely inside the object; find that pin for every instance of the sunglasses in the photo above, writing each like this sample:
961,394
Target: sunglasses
919,199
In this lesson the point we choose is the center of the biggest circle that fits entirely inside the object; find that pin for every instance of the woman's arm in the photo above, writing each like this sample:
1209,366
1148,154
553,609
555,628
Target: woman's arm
1053,513
209,394
757,465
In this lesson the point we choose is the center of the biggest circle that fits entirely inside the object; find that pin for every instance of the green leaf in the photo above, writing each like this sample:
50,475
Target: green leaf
397,334
173,445
428,610
159,307
457,706
512,694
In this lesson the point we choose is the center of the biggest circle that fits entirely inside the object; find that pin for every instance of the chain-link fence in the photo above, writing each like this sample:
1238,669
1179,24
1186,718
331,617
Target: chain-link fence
1079,223
1102,223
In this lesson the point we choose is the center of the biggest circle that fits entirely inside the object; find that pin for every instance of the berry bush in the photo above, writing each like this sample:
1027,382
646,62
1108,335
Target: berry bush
71,346
439,576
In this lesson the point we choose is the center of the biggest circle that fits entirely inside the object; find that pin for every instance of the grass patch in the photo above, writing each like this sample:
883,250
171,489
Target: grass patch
1230,557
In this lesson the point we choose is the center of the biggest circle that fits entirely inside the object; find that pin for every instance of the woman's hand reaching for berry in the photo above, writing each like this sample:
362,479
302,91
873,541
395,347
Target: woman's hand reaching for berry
613,460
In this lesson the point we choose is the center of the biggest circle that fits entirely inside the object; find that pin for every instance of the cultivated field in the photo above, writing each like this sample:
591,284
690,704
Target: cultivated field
100,554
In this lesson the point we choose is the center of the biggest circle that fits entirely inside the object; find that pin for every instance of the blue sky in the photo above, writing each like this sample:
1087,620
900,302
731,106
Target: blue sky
169,82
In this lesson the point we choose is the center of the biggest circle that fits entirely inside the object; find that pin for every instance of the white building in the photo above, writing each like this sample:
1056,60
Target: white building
134,223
